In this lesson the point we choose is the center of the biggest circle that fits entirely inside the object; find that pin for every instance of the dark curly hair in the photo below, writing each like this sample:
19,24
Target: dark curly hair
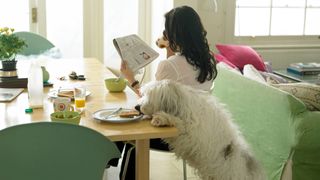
186,34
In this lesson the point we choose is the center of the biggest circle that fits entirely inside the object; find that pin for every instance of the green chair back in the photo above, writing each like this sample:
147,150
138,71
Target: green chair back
36,43
52,151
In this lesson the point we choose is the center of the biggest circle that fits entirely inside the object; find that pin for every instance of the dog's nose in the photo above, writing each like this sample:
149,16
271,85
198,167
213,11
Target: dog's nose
137,107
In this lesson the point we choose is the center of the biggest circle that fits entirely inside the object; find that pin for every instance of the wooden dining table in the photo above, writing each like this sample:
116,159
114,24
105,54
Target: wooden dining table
140,131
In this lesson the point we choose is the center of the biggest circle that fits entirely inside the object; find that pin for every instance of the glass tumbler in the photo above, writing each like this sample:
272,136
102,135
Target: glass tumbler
80,98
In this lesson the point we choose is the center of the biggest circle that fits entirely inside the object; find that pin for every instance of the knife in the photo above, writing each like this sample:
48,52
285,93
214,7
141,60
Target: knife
113,113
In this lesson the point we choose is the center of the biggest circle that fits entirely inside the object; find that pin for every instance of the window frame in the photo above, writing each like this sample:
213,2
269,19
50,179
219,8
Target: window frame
296,41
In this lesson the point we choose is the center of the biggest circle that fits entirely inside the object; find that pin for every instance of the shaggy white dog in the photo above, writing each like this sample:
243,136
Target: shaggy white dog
208,139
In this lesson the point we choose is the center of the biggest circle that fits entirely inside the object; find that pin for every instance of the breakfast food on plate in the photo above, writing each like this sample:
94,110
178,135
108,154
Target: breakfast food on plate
129,114
65,93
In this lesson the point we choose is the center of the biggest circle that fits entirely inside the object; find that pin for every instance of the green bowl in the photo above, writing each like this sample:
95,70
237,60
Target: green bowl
115,84
71,117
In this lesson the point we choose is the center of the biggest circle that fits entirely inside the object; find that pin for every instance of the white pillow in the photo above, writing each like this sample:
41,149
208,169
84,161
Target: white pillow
226,66
251,72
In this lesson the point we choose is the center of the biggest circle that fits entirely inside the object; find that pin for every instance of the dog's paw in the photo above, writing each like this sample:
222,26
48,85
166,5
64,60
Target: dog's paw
161,119
156,121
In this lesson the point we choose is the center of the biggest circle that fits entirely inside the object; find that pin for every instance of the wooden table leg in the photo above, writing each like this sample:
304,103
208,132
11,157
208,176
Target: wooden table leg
142,159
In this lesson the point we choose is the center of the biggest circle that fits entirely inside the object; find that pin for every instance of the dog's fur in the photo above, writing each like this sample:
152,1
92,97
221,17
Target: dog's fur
207,137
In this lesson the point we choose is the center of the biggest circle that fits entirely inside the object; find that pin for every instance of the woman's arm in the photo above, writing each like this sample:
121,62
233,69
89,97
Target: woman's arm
127,72
129,75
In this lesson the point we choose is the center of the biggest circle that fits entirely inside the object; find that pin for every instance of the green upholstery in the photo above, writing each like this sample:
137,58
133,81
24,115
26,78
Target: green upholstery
36,43
52,151
275,124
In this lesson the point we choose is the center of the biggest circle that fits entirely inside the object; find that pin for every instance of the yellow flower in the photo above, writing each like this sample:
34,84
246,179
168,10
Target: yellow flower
10,44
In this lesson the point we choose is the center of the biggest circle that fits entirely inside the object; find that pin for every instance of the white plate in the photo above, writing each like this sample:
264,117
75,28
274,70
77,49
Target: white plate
54,93
103,113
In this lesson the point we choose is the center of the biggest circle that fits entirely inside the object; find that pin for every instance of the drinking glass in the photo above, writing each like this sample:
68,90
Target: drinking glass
80,98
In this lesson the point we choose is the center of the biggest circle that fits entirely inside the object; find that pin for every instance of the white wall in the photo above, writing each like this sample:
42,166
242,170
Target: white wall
280,58
216,24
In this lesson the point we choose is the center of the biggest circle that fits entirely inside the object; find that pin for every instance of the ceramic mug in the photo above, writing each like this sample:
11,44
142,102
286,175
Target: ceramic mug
162,42
62,104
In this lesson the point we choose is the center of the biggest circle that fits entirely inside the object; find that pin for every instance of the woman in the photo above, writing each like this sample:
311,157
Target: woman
188,60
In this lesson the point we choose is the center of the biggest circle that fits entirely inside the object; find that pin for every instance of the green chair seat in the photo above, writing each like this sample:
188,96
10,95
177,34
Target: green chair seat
52,151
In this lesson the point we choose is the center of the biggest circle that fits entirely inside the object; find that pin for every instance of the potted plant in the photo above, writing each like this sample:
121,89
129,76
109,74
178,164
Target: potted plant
10,45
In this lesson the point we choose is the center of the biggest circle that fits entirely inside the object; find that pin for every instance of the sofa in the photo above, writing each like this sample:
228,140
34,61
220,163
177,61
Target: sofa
282,133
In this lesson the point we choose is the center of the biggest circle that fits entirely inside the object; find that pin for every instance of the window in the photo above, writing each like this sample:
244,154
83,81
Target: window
65,26
277,18
58,20
121,18
15,16
142,17
159,8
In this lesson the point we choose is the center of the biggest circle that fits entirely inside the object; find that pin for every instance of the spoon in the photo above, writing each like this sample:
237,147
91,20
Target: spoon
118,79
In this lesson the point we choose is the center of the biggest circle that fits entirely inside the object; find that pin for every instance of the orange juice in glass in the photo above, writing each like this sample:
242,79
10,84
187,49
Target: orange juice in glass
80,98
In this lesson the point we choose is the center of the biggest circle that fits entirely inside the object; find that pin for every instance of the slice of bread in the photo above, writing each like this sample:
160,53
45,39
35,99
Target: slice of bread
129,114
66,93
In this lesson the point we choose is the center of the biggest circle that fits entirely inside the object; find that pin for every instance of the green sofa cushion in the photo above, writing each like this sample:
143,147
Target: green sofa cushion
273,123
306,158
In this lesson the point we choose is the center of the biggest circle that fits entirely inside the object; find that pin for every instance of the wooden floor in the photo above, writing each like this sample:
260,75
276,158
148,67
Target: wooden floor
163,165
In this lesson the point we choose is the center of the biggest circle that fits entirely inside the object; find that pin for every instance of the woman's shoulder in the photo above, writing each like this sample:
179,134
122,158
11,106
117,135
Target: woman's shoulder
176,57
176,60
173,61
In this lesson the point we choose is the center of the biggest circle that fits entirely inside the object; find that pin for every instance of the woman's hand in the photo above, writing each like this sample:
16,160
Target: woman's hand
129,75
127,72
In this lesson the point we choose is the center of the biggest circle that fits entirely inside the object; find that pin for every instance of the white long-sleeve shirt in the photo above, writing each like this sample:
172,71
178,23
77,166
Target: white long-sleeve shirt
178,69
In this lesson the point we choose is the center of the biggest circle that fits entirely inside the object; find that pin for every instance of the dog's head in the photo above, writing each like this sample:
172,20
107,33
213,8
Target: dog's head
158,96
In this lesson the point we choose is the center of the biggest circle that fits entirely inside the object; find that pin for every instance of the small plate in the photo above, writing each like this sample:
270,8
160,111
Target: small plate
54,93
101,114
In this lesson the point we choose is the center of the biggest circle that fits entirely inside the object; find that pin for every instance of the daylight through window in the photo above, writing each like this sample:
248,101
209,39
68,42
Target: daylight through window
277,17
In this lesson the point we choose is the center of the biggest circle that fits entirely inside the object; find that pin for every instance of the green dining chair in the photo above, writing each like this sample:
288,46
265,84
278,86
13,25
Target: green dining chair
37,44
54,151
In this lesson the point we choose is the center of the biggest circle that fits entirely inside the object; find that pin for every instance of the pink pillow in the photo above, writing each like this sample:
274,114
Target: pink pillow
220,58
240,55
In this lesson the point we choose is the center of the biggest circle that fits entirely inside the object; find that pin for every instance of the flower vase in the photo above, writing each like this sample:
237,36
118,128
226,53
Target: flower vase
9,65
